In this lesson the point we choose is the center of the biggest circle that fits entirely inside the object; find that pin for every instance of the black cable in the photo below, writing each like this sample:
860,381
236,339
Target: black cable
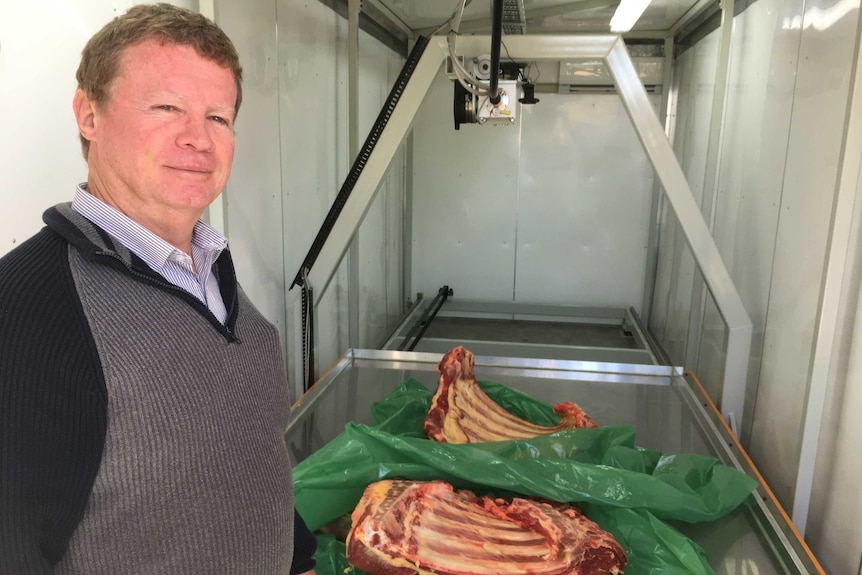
423,322
496,39
307,336
433,307
445,292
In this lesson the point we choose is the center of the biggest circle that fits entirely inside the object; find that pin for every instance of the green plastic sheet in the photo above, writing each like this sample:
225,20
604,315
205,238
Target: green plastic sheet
626,489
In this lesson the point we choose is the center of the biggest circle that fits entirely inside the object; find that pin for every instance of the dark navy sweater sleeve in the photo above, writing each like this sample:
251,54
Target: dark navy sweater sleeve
53,406
304,546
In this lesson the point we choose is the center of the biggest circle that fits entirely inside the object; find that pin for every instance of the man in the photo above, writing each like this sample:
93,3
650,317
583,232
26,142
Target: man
142,397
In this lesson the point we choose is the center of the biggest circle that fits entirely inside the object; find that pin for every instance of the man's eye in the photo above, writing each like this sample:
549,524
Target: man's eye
220,120
166,107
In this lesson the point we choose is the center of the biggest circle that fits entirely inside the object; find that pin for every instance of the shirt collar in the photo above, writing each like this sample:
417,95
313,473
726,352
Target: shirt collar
142,242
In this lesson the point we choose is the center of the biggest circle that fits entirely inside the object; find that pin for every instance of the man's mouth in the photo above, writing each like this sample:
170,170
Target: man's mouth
191,169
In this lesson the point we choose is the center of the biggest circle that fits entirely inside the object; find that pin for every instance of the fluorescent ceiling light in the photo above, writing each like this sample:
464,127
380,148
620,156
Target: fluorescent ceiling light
627,14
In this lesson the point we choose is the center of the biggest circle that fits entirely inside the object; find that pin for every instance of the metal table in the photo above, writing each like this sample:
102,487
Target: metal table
663,404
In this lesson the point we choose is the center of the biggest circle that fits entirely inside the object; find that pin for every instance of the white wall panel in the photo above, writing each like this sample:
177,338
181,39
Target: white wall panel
253,199
833,524
786,113
763,64
40,47
310,38
380,235
553,209
313,122
583,203
817,124
464,202
694,82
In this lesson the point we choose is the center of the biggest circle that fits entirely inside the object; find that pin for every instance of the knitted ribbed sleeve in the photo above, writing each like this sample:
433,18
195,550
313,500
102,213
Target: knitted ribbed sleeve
52,406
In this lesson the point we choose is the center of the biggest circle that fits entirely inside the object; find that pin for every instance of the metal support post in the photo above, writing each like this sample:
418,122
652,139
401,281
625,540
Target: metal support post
353,8
694,227
710,178
655,201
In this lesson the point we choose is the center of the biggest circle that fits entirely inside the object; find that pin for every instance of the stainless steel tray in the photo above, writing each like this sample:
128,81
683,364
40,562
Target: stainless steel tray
663,404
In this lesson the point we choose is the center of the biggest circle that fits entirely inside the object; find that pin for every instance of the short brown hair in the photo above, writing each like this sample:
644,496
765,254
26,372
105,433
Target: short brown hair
166,22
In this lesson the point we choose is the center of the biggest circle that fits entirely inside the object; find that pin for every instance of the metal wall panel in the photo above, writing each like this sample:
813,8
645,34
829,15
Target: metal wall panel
583,197
313,144
833,525
816,130
381,301
694,83
786,113
313,123
763,63
40,47
464,202
553,209
252,198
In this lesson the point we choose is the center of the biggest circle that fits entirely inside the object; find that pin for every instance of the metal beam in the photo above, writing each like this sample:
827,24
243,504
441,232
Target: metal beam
696,10
385,32
678,194
390,16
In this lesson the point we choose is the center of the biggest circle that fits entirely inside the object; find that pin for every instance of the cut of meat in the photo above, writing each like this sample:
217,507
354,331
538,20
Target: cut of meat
404,527
462,413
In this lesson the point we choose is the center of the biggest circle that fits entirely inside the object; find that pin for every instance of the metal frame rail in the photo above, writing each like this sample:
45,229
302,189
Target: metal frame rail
610,49
419,319
418,330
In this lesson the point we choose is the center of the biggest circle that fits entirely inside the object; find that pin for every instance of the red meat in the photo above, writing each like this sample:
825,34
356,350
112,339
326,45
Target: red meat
462,413
405,527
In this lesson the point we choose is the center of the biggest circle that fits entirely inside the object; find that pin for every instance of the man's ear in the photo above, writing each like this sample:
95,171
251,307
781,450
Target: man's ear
85,114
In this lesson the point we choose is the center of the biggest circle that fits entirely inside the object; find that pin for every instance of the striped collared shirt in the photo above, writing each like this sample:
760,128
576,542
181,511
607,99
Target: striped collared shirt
163,258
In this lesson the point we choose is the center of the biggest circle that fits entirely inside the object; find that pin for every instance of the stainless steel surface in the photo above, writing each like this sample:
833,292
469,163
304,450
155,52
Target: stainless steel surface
657,400
572,333
539,351
777,532
525,309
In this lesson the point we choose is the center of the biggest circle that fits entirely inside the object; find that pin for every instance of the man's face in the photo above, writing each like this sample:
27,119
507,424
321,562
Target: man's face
162,145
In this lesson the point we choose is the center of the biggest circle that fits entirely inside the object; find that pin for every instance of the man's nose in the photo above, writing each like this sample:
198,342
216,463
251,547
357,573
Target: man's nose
195,134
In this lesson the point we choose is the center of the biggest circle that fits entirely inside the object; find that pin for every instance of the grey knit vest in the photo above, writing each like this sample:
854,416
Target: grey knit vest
195,476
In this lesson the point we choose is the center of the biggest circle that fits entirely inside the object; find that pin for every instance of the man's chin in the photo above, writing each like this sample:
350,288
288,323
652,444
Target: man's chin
193,198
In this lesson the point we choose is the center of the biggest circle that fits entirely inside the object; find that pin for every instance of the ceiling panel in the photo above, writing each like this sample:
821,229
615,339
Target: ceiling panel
543,16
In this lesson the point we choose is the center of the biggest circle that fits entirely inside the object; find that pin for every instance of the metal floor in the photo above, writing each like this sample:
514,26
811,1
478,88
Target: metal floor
508,329
532,332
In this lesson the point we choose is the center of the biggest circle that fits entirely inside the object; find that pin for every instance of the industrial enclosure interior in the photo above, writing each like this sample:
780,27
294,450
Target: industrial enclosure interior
681,206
